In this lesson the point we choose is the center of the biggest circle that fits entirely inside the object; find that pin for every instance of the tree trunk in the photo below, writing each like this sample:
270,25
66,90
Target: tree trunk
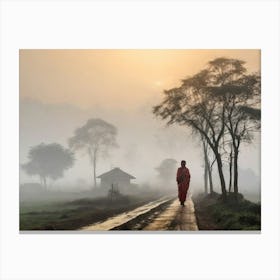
205,168
235,177
221,175
230,171
210,177
205,180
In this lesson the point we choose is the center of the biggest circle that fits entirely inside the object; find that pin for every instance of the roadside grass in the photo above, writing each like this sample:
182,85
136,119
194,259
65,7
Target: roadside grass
74,214
233,214
244,215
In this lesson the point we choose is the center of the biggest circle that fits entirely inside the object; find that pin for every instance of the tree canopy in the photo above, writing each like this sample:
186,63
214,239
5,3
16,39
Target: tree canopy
48,161
96,137
221,104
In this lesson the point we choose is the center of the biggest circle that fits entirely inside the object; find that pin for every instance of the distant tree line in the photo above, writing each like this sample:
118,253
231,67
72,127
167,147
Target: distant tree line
50,161
221,104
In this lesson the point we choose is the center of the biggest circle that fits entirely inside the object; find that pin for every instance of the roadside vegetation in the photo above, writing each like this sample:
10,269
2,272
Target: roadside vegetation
72,215
214,214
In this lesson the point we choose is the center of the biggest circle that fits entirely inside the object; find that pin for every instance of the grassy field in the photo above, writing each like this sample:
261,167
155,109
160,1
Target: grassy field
71,215
214,214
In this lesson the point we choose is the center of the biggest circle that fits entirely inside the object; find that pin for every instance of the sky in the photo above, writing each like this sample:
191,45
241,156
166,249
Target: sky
61,89
113,78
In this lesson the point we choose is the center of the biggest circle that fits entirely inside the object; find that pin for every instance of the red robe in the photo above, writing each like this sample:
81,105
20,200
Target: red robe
183,180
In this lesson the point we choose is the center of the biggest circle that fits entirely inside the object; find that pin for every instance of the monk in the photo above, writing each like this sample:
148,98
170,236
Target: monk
183,181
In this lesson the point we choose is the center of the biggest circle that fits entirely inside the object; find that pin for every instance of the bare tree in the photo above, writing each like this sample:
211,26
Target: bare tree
96,137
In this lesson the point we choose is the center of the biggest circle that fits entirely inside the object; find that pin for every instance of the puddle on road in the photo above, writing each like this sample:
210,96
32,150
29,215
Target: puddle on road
125,217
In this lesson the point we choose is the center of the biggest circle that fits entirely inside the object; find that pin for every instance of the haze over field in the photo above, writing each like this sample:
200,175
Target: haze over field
61,89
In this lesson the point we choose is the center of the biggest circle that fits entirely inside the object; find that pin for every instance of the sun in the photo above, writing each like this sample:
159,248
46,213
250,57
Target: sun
158,83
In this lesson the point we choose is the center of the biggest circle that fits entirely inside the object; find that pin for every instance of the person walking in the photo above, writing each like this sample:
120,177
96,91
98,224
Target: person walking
183,180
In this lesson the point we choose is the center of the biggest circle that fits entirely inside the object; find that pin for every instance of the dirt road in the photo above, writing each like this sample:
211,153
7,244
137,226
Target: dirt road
163,214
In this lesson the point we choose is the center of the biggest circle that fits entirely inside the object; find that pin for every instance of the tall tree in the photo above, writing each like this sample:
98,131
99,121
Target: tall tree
194,105
241,98
96,137
48,161
221,99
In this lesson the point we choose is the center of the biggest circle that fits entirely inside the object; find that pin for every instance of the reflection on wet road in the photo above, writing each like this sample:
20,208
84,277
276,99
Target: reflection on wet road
125,217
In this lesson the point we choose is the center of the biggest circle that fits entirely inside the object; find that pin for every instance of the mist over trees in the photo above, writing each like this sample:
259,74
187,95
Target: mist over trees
166,172
96,138
221,104
147,142
48,161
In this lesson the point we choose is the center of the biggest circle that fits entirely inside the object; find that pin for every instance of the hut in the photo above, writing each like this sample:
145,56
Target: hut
116,177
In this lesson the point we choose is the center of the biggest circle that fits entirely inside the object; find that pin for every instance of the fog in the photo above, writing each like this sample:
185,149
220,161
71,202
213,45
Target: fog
52,106
144,142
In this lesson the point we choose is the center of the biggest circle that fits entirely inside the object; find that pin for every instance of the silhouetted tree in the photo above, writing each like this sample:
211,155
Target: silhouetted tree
48,161
219,100
241,99
193,105
96,137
